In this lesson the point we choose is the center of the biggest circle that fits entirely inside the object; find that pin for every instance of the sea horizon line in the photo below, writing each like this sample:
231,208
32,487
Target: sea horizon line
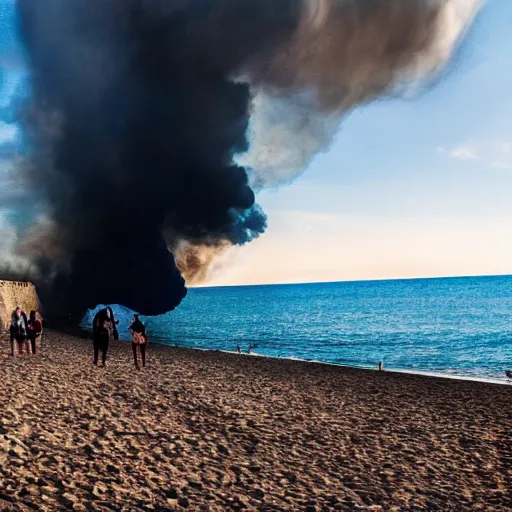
341,281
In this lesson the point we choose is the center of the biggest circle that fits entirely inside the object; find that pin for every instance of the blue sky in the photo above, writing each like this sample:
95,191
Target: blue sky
409,188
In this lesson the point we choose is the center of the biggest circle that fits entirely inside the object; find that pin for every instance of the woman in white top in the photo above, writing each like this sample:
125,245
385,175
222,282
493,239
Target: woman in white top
18,331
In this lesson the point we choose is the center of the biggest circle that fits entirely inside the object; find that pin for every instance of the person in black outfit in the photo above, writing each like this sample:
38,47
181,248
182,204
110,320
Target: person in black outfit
101,334
140,340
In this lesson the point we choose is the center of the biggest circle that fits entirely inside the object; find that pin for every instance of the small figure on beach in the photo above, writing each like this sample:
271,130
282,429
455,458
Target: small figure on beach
238,349
251,346
101,335
381,366
18,331
34,330
139,340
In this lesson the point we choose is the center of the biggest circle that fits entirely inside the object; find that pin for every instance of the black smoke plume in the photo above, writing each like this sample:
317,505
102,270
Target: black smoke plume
139,108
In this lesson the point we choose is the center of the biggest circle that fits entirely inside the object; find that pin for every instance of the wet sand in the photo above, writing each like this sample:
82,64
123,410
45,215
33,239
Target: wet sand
203,430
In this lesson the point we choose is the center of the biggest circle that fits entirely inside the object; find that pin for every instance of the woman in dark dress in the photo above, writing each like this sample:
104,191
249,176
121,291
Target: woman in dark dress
101,335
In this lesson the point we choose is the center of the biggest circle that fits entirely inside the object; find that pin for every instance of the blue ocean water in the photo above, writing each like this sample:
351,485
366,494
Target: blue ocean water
457,326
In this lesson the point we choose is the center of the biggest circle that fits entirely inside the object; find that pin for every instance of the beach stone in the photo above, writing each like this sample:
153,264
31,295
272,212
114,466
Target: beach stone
71,498
48,489
99,490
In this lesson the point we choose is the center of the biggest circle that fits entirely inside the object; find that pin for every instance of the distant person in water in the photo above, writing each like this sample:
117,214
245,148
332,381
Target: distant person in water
101,334
34,330
139,340
18,331
238,349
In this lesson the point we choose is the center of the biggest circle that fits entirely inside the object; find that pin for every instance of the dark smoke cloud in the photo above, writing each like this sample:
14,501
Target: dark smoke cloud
140,109
133,129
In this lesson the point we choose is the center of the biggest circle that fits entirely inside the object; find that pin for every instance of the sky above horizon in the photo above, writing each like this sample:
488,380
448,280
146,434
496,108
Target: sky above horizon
409,188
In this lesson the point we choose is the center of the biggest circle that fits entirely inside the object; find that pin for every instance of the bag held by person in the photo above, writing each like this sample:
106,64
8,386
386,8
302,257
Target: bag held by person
139,338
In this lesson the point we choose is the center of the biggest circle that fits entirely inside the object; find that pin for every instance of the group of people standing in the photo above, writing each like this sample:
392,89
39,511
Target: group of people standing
24,332
104,329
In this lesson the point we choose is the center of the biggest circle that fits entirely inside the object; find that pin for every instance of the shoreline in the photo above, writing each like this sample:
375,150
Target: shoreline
421,373
86,332
209,430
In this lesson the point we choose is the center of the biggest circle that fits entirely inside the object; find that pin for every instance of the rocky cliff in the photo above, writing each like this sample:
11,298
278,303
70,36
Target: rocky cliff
16,293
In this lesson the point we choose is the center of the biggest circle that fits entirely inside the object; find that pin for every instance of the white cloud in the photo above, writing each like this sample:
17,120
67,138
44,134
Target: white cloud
463,153
501,164
496,154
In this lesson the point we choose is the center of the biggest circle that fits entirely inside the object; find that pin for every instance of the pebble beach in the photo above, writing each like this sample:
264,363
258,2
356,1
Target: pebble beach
206,430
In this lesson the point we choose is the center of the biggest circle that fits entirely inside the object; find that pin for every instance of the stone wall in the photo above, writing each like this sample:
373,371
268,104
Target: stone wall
16,293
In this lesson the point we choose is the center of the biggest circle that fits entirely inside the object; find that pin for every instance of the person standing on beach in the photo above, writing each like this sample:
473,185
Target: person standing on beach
101,334
34,330
139,340
18,330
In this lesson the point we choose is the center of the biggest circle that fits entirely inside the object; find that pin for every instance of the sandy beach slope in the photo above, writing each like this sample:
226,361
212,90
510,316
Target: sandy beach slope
210,431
